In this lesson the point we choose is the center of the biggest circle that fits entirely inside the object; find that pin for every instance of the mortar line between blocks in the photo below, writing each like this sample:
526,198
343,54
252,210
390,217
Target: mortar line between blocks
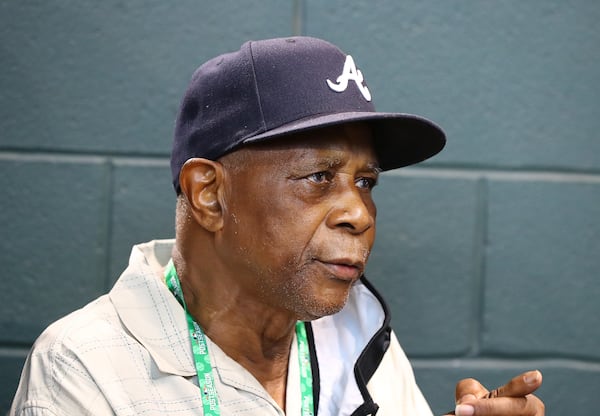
298,17
110,187
479,264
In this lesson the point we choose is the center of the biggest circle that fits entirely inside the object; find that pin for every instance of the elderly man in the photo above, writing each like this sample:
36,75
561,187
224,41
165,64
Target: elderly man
260,305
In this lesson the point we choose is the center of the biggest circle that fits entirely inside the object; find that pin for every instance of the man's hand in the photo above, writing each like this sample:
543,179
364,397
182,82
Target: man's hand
514,398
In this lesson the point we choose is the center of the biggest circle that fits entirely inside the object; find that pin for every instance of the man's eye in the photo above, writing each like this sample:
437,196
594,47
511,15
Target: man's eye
319,177
366,183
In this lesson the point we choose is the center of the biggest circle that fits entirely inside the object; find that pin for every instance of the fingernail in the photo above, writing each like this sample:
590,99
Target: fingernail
464,410
531,377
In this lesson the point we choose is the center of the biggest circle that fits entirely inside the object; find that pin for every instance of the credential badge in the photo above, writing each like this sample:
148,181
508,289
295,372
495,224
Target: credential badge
350,73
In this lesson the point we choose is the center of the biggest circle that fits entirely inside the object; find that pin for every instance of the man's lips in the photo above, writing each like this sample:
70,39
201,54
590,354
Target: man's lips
343,269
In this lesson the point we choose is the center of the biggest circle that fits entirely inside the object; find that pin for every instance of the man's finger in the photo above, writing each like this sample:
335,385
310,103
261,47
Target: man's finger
519,386
524,405
468,391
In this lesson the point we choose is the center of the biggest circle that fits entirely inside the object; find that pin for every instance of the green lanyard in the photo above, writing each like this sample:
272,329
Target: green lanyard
206,379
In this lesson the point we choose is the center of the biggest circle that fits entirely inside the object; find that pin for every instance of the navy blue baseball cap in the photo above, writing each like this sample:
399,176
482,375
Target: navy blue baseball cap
272,88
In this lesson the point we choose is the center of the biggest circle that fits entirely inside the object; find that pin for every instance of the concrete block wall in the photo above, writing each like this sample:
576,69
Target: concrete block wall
487,254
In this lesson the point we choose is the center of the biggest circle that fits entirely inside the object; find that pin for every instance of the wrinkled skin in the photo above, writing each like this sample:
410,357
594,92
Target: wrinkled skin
301,222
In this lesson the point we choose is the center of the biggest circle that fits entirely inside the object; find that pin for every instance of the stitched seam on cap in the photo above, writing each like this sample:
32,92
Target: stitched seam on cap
262,116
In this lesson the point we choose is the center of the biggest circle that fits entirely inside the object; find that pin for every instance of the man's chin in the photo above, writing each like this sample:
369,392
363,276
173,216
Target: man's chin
320,309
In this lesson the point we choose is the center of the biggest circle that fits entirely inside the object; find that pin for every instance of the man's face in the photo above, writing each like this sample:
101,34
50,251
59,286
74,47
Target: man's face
300,218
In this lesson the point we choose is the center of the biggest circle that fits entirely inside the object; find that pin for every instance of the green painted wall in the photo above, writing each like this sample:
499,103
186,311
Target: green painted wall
488,254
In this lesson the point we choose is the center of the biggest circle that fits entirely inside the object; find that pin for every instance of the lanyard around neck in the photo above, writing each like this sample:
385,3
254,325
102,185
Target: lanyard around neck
206,380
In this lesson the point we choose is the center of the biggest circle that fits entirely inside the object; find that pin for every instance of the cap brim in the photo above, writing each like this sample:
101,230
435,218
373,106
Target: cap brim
399,139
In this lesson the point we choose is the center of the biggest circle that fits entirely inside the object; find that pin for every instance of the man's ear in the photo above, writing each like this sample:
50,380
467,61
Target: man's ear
201,180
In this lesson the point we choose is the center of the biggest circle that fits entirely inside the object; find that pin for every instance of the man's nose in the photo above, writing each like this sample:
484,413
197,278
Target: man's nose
351,211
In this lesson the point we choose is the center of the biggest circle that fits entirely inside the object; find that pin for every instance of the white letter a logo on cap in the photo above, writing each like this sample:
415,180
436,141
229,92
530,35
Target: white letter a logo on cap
350,73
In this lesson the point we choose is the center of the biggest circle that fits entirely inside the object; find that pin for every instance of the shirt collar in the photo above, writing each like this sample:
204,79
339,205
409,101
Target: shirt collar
150,312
